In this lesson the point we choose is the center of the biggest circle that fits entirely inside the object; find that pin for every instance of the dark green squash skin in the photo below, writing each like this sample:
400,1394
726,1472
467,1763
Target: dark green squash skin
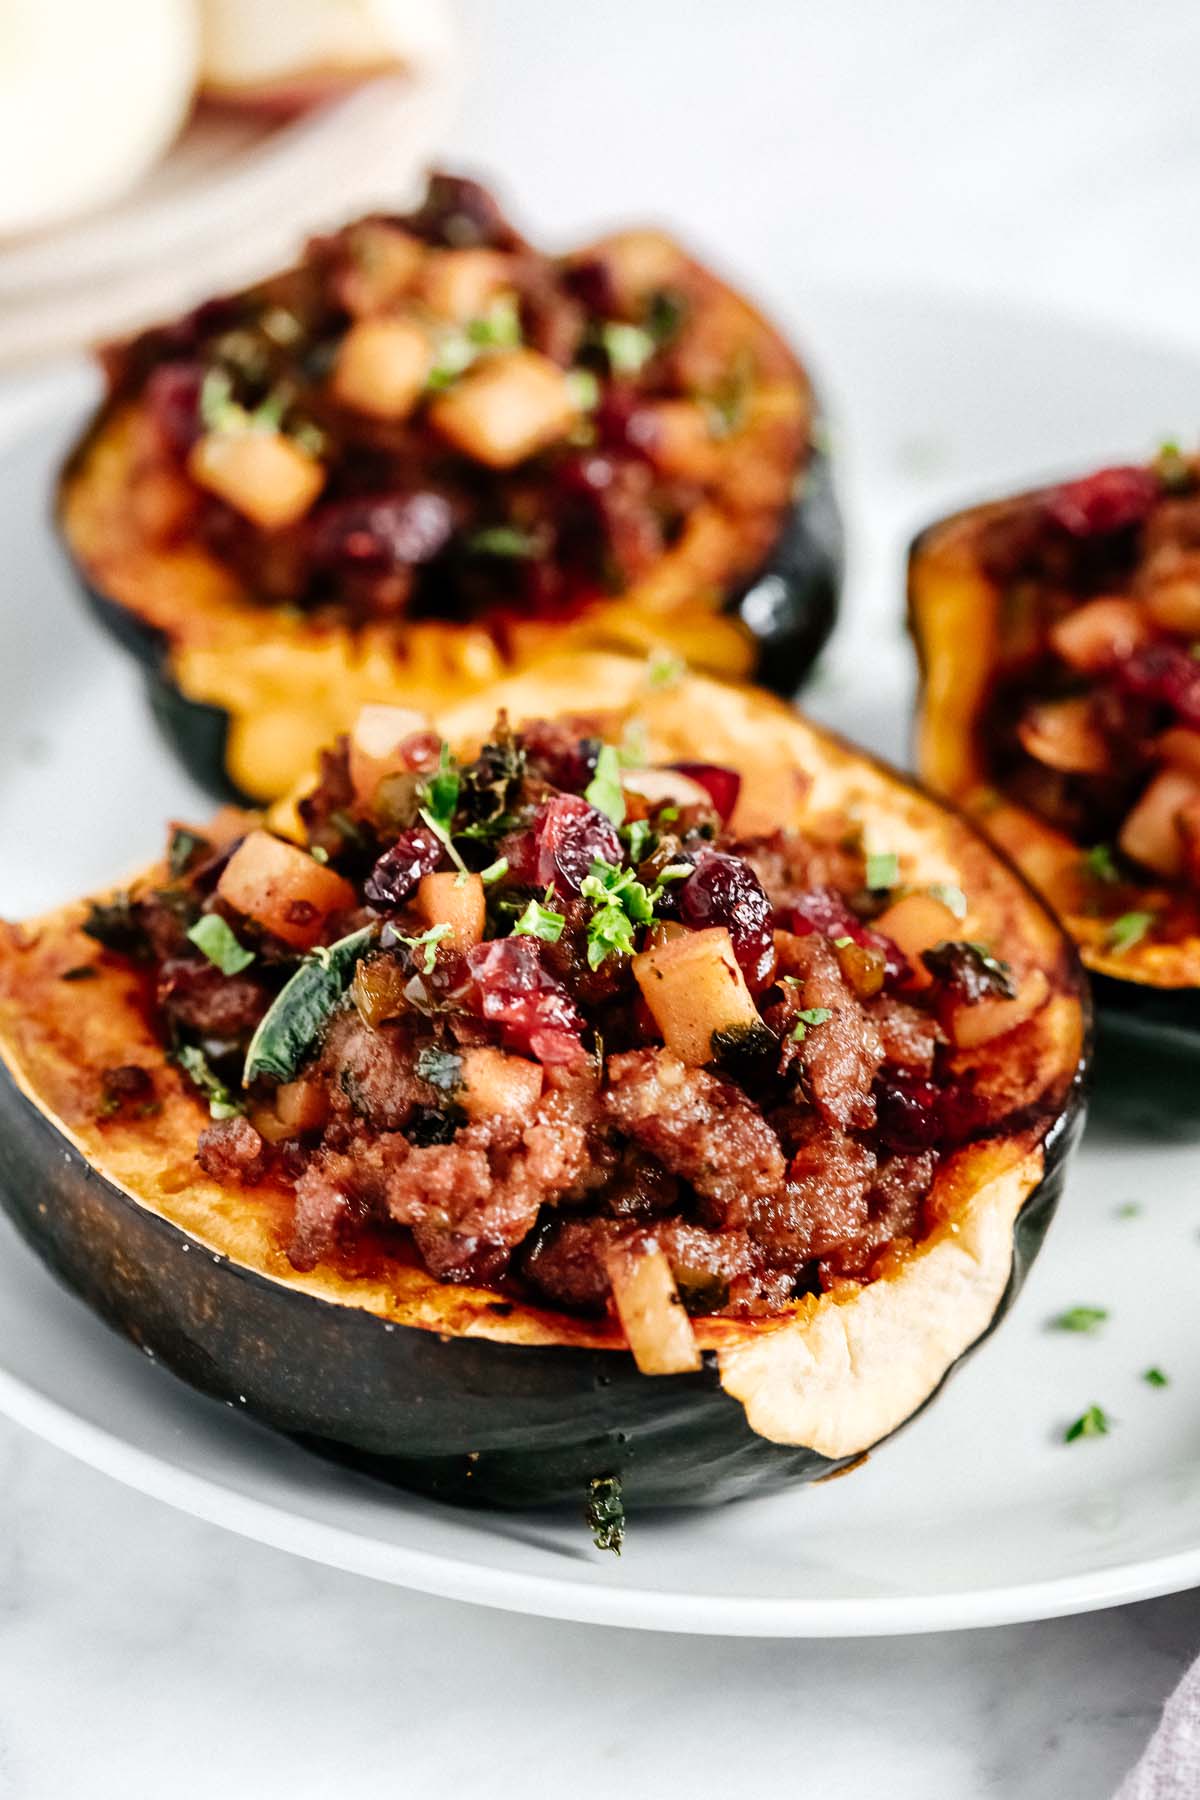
789,608
464,1419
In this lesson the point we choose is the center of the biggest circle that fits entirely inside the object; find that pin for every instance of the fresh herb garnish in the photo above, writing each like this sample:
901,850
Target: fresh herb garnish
502,540
627,347
219,411
665,315
637,834
665,669
182,848
1094,1422
606,1513
584,389
950,896
883,870
318,853
213,936
1129,1209
813,1015
222,1103
440,1068
1100,864
1080,1318
841,943
427,942
620,902
500,326
604,790
1129,930
455,353
540,922
300,1010
440,791
1155,1378
494,872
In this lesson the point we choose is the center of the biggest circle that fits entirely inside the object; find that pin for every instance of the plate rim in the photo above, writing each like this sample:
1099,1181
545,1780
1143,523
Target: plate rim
54,394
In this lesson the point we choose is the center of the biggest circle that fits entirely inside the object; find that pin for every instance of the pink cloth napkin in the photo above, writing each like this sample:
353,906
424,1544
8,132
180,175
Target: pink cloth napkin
1170,1765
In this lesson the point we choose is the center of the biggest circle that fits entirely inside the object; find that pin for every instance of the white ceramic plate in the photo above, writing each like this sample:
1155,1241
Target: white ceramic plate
978,1513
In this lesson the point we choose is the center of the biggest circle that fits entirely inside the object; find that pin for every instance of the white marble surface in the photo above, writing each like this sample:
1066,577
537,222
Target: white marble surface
1041,151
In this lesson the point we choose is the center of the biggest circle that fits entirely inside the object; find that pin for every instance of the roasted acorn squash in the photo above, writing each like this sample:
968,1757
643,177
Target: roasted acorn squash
457,1390
991,592
691,514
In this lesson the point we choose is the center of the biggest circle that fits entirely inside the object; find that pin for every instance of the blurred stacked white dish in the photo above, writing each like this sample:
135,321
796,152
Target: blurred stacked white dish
101,232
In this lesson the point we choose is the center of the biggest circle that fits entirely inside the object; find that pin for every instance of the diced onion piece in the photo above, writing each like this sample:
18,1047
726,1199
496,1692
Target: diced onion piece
458,284
495,1084
382,366
1181,749
915,924
967,1026
1062,734
282,889
660,786
1175,605
1100,633
384,264
694,987
301,1105
679,440
375,745
505,408
1151,833
656,1327
262,474
446,899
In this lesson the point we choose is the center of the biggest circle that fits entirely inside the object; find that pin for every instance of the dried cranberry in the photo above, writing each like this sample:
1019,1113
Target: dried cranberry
461,214
570,836
173,401
623,421
908,1114
510,986
380,531
395,876
1165,673
826,910
721,785
1111,500
583,476
591,281
724,890
559,755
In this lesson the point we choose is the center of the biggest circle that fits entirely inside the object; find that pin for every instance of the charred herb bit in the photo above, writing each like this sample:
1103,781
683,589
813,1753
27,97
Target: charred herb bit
883,870
81,972
1129,930
744,1051
182,851
439,1067
431,1125
605,1513
222,1103
604,790
970,971
489,784
665,315
114,924
539,921
1095,1422
1080,1318
212,935
813,1015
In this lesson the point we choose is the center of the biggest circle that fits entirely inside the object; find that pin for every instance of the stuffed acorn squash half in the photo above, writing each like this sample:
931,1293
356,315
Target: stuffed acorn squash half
426,456
1057,634
550,1105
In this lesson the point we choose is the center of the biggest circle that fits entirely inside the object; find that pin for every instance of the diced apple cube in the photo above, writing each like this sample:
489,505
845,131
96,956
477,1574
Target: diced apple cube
262,474
382,366
505,408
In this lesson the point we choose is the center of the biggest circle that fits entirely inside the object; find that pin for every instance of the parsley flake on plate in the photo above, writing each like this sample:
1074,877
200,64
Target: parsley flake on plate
1095,1422
1080,1318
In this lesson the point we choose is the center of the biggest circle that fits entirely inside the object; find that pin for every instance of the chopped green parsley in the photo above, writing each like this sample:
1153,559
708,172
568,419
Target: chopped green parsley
1100,864
950,896
620,903
213,936
1155,1378
540,922
604,790
221,1102
1080,1318
883,870
813,1015
627,347
427,942
1095,1422
1129,930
